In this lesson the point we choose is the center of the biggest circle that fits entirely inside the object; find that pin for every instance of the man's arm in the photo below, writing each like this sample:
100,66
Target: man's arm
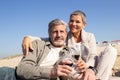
27,44
29,68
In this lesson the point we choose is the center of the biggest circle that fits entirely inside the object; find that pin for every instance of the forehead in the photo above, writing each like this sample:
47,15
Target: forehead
76,17
58,27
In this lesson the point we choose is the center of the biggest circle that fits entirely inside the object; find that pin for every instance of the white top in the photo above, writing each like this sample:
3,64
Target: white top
77,46
52,57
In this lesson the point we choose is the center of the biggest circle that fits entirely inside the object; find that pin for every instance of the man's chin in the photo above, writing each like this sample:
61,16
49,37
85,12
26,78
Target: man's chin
58,44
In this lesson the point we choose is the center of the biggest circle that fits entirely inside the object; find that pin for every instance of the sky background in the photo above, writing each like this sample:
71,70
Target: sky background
19,18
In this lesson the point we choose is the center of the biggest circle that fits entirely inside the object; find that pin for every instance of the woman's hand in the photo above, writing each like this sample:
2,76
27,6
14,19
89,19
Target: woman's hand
81,65
89,75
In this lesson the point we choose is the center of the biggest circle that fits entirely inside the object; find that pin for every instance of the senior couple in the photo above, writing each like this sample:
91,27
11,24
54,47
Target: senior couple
43,61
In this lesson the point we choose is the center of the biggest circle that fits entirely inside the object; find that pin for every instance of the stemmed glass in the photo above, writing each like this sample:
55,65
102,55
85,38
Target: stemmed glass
75,55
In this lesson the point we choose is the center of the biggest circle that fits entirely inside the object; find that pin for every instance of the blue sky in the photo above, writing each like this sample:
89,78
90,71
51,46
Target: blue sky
31,17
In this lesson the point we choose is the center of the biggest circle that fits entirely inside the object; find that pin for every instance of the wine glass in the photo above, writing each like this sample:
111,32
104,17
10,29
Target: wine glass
75,54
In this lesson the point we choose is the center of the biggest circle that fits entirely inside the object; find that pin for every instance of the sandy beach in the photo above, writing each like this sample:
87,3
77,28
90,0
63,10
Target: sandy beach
11,61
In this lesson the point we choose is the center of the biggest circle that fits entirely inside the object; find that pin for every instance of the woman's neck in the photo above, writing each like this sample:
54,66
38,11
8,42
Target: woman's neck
77,37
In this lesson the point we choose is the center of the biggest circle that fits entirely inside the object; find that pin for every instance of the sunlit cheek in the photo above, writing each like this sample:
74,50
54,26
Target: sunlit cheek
53,37
73,29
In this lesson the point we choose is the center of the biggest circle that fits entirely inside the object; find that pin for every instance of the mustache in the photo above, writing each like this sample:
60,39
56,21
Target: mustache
57,38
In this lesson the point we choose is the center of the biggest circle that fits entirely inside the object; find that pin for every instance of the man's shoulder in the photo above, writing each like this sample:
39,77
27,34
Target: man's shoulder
38,42
41,42
45,39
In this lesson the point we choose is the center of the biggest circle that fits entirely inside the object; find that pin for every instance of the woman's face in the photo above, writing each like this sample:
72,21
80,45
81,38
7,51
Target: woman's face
76,24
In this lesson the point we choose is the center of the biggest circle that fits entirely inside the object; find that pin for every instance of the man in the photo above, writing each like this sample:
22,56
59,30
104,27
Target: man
42,62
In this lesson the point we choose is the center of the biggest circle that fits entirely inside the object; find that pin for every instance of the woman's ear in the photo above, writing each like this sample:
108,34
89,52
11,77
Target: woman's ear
84,24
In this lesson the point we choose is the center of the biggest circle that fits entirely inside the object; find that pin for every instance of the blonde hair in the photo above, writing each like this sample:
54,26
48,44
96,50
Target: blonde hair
81,13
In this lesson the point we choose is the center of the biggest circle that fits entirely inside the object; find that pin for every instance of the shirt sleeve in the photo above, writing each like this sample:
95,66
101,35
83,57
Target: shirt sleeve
29,68
34,37
92,51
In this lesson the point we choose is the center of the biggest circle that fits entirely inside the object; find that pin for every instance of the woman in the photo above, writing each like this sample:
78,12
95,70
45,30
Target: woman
78,36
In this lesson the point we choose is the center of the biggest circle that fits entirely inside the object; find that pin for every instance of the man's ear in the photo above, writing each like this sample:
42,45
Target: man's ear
48,33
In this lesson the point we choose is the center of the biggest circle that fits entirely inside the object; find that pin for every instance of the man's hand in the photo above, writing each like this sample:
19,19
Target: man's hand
26,45
60,70
64,70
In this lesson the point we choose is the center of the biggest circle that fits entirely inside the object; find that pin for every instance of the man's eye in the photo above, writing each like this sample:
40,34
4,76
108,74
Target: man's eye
54,32
71,21
61,31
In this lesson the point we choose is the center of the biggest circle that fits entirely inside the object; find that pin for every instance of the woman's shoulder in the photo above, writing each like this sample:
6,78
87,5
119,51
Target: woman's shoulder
87,36
86,33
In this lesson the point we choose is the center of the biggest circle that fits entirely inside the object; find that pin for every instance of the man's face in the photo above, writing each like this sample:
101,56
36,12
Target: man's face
58,35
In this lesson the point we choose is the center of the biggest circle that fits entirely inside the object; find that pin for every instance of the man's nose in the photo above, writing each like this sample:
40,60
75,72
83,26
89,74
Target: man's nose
58,34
